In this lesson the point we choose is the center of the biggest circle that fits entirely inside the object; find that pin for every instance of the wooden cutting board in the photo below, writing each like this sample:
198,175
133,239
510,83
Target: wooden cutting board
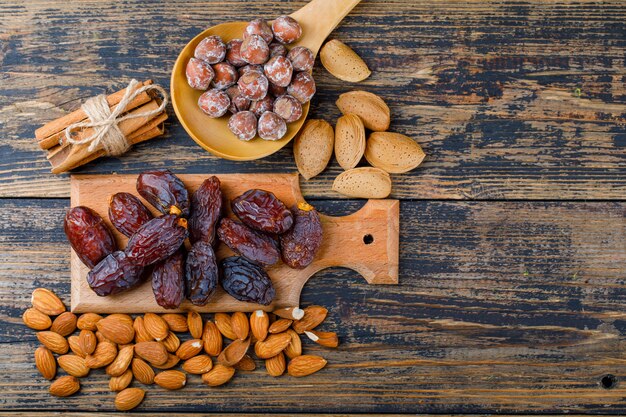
365,241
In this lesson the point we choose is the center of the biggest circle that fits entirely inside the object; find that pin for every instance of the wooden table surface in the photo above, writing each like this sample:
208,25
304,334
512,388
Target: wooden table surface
513,234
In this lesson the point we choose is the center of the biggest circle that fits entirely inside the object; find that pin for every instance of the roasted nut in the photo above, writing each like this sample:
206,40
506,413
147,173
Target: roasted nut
302,59
225,75
259,107
214,103
278,49
237,101
233,53
254,50
259,27
253,85
288,108
211,49
244,70
286,29
199,74
243,125
278,70
276,90
302,87
271,126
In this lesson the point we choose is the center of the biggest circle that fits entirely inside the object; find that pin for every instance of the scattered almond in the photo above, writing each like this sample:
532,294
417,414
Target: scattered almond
105,353
222,321
326,339
141,334
171,342
65,386
313,147
171,379
240,325
53,341
211,339
313,316
87,341
36,320
198,365
189,349
74,365
121,363
234,352
64,324
349,140
305,365
194,323
393,152
153,352
47,302
129,398
280,325
246,364
272,346
294,348
176,322
142,371
275,366
87,321
293,313
363,182
259,324
172,361
45,363
155,326
116,329
372,110
74,342
342,62
118,383
101,338
219,375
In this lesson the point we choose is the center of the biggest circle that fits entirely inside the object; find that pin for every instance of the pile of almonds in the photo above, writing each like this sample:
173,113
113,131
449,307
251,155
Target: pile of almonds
147,348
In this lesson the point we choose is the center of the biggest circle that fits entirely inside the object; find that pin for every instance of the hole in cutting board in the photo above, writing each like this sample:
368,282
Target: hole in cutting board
608,381
368,239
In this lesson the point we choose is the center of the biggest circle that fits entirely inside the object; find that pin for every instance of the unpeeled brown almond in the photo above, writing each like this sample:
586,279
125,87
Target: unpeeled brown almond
259,324
212,339
313,147
64,324
176,322
153,352
363,182
45,363
129,398
64,386
171,379
117,329
342,62
349,140
369,107
36,320
240,325
219,375
305,365
47,302
155,326
393,152
194,324
74,365
53,341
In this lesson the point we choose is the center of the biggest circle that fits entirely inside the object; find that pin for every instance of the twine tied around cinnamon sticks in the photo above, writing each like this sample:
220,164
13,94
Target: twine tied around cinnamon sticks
105,121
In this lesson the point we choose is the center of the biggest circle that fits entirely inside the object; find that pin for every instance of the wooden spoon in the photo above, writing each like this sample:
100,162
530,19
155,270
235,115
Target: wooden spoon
318,19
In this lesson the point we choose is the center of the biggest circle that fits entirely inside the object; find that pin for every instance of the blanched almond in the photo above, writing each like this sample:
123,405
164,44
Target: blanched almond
349,140
313,147
372,110
363,182
393,152
342,62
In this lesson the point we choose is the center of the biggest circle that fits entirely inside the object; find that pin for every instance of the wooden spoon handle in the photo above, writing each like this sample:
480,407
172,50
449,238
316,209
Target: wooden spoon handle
319,18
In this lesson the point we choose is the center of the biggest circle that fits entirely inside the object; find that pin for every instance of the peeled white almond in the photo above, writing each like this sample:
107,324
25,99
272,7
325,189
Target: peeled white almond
349,140
363,182
372,110
393,152
342,62
313,147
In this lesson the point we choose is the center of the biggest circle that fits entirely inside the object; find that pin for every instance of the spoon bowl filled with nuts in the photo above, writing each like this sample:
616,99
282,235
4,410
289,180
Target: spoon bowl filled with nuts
242,90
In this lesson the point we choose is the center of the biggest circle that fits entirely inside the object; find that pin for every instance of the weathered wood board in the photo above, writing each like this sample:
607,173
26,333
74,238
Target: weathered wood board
344,244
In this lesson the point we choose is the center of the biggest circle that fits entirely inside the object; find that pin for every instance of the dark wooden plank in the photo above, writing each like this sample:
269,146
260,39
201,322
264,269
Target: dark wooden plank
506,307
511,100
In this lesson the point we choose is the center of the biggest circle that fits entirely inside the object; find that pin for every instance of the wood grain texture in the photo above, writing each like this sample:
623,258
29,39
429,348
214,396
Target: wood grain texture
343,244
510,100
503,307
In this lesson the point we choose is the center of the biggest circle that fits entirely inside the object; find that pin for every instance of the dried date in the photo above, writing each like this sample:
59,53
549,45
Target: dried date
88,235
256,246
168,281
157,240
246,281
206,209
300,244
127,213
262,210
114,274
201,273
165,191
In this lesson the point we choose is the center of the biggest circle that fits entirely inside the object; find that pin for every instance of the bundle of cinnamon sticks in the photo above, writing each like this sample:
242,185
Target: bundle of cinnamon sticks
64,156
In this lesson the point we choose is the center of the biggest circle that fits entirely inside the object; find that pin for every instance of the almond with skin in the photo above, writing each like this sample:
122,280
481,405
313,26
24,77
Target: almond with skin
171,380
47,302
176,322
240,325
75,346
153,352
36,320
342,62
65,386
53,341
45,363
194,324
272,346
172,361
234,352
116,329
305,365
326,339
74,365
276,365
122,361
129,398
189,349
292,313
198,365
313,317
141,334
142,371
222,321
155,326
101,338
64,324
294,348
280,325
363,182
372,109
105,353
122,317
393,152
88,321
212,339
349,140
87,341
118,383
171,342
313,147
219,375
259,324
246,364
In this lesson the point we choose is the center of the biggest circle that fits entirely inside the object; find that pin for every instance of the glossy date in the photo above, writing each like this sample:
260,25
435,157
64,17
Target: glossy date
157,239
114,274
201,273
246,281
168,281
256,246
261,210
127,213
206,209
301,243
165,191
88,235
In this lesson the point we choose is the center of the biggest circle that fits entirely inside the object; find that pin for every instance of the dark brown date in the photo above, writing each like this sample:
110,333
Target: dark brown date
127,213
261,210
256,246
246,281
88,235
168,281
114,274
300,244
201,273
206,209
165,191
157,240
